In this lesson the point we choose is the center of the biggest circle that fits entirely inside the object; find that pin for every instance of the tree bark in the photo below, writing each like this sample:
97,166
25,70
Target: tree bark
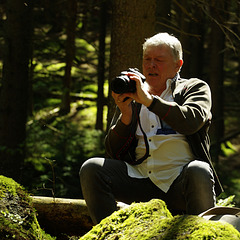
163,16
14,89
132,22
216,74
101,65
70,54
192,38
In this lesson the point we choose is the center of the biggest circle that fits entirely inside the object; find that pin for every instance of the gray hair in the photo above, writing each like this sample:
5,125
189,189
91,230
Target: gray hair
165,39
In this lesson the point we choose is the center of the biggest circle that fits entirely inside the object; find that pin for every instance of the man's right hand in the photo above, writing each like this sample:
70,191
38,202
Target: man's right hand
124,104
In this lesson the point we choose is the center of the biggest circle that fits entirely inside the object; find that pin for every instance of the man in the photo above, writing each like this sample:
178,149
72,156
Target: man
158,147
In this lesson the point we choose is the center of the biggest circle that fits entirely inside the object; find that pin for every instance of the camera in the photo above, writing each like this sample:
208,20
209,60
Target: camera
123,84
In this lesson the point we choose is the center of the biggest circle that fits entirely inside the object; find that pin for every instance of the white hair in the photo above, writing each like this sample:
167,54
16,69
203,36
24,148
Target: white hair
165,39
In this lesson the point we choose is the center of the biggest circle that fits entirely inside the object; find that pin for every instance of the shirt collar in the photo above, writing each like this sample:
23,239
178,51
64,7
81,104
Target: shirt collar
169,83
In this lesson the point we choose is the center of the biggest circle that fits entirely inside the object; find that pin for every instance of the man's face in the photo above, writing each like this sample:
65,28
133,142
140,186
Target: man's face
159,65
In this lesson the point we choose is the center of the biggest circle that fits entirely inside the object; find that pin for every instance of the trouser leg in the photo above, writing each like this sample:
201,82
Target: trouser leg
105,180
193,189
199,187
96,189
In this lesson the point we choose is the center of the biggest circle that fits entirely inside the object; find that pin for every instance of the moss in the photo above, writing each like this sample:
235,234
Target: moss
132,221
152,220
9,186
194,227
17,217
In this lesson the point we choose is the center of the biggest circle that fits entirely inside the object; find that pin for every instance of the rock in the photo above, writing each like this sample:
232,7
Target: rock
152,220
17,216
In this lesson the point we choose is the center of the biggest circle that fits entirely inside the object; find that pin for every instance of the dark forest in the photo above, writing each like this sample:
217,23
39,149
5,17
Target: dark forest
58,57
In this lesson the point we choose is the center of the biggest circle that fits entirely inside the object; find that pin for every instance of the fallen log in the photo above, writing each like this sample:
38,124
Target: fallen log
62,215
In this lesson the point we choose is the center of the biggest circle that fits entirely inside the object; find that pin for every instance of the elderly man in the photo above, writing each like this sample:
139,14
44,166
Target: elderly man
158,144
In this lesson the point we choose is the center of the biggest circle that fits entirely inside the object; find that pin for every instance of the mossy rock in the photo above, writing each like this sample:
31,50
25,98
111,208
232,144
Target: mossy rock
17,216
152,220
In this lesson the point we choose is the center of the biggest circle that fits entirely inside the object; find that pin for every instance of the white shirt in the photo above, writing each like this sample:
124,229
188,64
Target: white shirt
169,151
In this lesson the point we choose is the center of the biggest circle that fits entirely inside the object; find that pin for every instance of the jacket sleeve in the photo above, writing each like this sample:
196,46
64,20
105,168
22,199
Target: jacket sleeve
191,108
120,137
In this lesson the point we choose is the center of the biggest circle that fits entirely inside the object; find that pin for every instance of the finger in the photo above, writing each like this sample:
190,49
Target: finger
135,78
123,99
128,100
117,97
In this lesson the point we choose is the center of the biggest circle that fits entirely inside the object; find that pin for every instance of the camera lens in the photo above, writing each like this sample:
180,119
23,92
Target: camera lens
123,84
120,84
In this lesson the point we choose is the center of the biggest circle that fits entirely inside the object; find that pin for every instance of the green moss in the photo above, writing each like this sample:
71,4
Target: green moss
152,220
17,216
8,185
194,227
132,221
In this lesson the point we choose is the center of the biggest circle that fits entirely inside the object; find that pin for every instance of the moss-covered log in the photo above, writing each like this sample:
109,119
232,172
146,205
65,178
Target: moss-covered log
152,220
17,215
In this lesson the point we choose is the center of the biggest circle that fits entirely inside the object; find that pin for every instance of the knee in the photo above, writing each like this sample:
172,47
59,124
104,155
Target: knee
199,171
90,168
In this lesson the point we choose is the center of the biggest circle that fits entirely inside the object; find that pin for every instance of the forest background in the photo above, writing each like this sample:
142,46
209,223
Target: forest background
56,61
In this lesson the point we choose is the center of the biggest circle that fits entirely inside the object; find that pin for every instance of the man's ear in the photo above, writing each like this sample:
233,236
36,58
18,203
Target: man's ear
179,64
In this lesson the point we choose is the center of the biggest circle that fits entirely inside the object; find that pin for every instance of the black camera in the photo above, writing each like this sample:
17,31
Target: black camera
123,84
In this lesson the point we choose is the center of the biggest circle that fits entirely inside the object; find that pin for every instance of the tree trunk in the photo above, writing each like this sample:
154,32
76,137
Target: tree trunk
216,73
70,53
197,46
14,90
163,16
192,38
238,44
185,39
101,65
132,22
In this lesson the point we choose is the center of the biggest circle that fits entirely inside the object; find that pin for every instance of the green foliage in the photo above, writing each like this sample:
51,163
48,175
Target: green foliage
228,172
226,202
57,146
55,153
228,149
232,186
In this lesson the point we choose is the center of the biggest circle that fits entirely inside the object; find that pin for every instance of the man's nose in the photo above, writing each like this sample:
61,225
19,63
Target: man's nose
152,63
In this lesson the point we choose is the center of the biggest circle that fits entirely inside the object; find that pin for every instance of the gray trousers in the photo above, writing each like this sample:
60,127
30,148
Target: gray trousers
105,181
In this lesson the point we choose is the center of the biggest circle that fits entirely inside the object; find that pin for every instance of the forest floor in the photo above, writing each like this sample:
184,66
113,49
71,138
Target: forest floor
229,171
233,160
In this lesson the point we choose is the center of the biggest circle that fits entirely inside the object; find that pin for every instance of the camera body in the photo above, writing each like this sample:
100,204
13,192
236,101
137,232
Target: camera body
123,84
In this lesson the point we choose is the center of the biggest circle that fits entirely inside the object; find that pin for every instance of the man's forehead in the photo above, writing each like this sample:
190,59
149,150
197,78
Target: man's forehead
157,51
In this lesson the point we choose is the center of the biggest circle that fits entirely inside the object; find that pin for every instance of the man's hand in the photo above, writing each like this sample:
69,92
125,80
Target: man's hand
124,104
124,100
141,95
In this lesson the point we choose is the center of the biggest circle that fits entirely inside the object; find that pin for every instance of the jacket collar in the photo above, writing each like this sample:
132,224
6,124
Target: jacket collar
174,79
